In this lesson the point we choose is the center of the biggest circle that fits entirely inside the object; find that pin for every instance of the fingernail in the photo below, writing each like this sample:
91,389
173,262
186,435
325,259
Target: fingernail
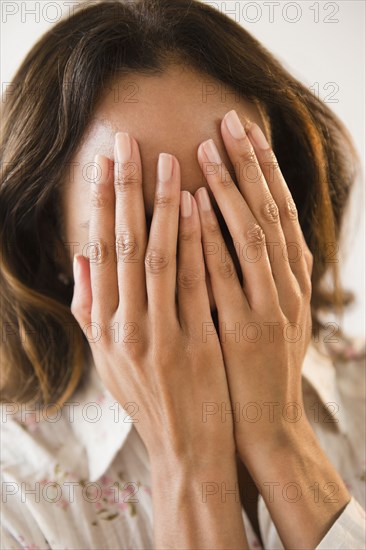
76,267
123,147
211,151
95,171
258,137
186,203
234,125
204,199
165,167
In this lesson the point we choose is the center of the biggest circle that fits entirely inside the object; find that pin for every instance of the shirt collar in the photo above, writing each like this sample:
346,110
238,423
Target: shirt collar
99,422
320,372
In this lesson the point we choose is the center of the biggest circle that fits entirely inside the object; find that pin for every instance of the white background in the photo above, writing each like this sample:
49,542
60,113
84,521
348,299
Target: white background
321,43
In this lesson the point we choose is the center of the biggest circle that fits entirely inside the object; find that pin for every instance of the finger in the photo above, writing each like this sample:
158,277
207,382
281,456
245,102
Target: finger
82,297
193,300
130,227
253,186
300,257
160,258
309,259
248,236
101,249
226,286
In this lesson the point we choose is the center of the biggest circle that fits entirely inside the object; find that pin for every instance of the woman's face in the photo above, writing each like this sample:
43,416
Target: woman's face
172,113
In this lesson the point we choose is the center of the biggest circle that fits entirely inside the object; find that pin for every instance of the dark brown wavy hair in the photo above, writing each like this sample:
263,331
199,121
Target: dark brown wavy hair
46,112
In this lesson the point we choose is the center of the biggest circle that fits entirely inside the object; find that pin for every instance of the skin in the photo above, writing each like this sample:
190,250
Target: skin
178,98
172,378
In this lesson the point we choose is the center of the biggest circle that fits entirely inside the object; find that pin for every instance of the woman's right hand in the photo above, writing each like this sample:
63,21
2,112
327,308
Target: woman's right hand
147,310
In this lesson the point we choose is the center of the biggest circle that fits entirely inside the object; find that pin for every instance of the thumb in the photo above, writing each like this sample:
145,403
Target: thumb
82,299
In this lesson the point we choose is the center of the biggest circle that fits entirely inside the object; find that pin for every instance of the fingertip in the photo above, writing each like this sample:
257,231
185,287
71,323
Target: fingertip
198,191
81,264
176,168
135,148
200,153
76,267
82,297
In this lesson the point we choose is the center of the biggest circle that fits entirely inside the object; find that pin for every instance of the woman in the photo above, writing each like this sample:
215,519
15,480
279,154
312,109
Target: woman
197,288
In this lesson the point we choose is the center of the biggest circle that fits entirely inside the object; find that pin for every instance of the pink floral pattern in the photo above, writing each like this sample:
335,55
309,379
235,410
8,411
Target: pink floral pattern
346,349
26,545
115,498
115,494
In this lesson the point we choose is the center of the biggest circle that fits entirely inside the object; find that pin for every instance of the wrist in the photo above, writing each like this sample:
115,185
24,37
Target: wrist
201,481
294,456
190,457
204,494
192,465
278,441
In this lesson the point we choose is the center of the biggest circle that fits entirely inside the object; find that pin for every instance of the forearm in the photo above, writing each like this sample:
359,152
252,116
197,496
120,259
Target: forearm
302,490
196,506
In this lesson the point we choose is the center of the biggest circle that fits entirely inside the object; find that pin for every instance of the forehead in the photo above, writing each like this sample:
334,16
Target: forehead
171,112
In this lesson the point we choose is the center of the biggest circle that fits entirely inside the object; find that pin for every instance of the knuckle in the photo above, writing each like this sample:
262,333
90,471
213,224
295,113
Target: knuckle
248,156
190,278
156,260
124,176
126,244
255,234
226,269
290,209
213,227
226,179
188,234
162,200
270,211
98,252
307,290
269,158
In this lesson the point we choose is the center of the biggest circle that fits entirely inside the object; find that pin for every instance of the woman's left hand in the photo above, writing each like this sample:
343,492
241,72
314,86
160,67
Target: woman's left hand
265,324
265,329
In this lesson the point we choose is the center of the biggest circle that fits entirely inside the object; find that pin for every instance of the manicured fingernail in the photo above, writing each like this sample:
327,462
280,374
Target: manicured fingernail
76,267
186,203
258,137
165,167
95,171
234,125
204,199
211,151
123,147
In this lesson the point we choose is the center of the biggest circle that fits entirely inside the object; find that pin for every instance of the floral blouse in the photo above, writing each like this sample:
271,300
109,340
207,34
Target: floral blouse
80,478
